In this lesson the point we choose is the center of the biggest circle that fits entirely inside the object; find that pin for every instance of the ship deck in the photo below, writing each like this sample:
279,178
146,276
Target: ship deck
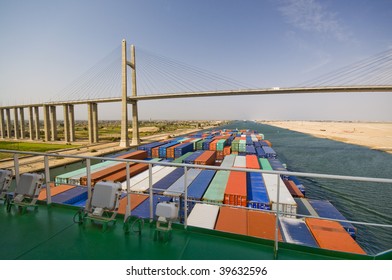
50,233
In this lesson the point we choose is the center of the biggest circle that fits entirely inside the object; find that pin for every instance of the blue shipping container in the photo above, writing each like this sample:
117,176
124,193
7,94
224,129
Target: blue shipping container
71,196
257,193
143,209
162,149
183,149
269,152
191,159
250,150
295,231
168,180
206,144
260,152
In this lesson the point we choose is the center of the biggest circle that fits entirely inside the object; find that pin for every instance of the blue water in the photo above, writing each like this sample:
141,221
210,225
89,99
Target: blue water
357,201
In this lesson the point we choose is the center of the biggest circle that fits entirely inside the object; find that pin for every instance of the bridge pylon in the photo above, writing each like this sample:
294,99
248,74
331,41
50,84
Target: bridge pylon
124,142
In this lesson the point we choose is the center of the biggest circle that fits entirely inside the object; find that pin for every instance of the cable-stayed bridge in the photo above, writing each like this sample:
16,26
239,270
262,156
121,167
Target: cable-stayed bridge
159,77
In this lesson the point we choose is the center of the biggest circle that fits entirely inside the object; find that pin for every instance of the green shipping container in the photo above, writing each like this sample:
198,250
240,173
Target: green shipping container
242,146
221,144
200,145
235,145
195,141
181,158
217,187
265,165
63,178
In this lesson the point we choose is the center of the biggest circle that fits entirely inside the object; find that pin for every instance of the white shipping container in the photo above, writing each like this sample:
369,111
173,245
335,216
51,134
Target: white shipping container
228,161
177,188
240,161
140,177
203,215
144,184
286,201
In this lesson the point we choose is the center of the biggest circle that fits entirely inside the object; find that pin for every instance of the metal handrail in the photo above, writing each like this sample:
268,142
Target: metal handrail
289,173
186,166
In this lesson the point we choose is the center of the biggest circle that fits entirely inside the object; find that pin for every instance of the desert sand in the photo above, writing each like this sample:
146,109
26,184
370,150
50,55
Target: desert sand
375,135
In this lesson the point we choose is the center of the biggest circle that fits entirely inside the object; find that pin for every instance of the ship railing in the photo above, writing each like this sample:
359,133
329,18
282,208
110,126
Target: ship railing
184,194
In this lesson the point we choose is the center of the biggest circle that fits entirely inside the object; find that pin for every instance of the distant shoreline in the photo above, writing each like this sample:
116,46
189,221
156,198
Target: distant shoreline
374,135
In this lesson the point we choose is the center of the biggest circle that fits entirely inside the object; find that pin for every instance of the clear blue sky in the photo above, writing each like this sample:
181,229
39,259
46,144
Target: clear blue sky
46,45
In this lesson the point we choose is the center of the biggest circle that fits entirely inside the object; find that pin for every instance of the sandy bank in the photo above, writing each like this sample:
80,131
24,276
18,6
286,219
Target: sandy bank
369,134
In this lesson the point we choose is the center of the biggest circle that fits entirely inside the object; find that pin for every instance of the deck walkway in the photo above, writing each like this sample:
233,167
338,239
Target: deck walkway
51,234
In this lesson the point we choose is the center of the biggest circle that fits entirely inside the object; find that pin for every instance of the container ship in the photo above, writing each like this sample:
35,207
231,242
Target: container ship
220,194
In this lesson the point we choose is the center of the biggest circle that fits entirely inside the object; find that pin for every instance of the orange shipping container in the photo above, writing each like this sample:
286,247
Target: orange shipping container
170,151
235,193
293,189
227,150
268,143
206,158
54,190
252,161
213,144
100,175
220,155
332,236
136,199
232,220
122,175
155,152
134,155
262,225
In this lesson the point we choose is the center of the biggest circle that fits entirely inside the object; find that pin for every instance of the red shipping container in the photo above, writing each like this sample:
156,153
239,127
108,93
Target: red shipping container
252,161
236,191
232,220
136,199
332,236
262,225
155,152
54,190
293,189
170,151
206,158
227,150
213,144
220,155
100,175
122,175
134,155
268,143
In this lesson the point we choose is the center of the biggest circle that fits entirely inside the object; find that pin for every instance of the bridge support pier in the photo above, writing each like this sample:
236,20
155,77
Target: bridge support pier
92,122
16,123
8,122
135,125
37,125
66,123
2,126
71,123
124,116
22,122
95,122
124,142
53,123
31,124
46,123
